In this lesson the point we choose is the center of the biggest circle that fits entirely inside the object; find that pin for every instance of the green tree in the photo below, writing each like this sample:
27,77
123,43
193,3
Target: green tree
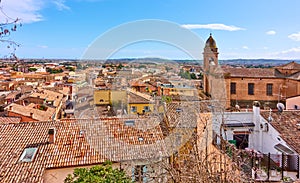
184,74
70,68
120,66
98,174
54,71
166,99
193,76
32,69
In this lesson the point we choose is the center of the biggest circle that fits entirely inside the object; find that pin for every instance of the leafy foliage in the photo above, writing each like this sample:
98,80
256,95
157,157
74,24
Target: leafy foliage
70,68
32,69
54,71
166,99
98,174
120,66
188,75
193,76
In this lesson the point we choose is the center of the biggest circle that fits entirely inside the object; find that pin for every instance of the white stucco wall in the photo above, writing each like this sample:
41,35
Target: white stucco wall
270,139
291,102
259,139
232,118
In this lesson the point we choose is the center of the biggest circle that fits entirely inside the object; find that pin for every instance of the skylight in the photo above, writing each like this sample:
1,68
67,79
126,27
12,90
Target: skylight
129,122
28,154
178,110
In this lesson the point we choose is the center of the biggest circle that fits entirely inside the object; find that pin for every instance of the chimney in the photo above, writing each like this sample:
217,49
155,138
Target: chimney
256,114
256,108
52,134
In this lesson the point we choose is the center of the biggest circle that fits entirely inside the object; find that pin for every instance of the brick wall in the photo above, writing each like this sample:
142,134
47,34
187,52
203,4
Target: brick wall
281,89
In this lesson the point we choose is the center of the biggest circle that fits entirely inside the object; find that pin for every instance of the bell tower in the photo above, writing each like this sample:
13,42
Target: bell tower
210,62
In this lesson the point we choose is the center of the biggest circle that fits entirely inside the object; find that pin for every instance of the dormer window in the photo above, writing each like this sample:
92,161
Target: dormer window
28,154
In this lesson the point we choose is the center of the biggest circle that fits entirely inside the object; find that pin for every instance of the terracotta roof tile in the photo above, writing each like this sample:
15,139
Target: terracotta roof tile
133,98
252,72
37,114
181,114
78,142
9,120
49,96
289,66
286,124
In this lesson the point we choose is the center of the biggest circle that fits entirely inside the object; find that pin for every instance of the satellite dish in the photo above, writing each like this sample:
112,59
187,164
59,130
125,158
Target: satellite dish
280,107
237,107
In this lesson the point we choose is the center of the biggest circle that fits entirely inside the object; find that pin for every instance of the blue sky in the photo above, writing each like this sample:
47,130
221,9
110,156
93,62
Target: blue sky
242,29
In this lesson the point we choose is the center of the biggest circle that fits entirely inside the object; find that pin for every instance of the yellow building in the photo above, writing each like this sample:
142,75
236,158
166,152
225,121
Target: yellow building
139,105
108,97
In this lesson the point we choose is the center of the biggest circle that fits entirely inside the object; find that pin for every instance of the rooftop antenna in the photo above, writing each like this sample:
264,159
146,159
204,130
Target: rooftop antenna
270,116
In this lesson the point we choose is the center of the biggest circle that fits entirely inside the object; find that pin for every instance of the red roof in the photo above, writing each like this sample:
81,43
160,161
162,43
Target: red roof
78,142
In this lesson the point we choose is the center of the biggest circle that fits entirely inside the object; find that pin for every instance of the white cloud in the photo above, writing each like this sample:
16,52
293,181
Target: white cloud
213,27
293,53
26,10
297,49
245,47
295,36
60,5
271,32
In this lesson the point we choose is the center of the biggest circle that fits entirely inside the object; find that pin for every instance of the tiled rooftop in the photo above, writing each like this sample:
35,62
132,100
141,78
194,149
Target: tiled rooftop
37,114
289,66
78,142
295,76
181,114
286,124
252,72
9,120
49,96
137,83
134,98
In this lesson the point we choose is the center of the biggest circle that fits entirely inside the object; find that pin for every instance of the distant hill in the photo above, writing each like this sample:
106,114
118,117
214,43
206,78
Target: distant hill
255,62
232,62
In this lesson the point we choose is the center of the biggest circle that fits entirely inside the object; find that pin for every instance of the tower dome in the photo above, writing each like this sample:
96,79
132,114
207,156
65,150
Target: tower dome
211,42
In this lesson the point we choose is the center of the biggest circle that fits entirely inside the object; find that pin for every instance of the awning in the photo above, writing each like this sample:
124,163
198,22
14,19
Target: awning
283,149
239,125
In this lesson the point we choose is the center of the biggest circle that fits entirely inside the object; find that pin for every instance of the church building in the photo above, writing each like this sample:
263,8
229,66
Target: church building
269,86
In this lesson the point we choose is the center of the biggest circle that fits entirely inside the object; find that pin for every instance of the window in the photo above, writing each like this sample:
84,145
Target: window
146,108
269,89
133,109
232,88
28,154
250,88
242,140
139,173
178,110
